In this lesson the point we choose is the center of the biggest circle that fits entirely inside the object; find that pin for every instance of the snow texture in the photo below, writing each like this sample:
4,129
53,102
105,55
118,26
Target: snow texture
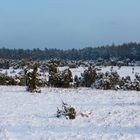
115,115
123,71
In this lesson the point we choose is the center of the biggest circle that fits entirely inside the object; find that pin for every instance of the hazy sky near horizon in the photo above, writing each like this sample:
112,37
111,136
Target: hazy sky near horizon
68,24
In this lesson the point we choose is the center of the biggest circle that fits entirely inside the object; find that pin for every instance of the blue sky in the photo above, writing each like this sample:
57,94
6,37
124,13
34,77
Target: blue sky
68,24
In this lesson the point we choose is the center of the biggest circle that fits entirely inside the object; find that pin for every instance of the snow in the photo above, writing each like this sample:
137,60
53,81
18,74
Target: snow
123,71
11,72
75,71
115,115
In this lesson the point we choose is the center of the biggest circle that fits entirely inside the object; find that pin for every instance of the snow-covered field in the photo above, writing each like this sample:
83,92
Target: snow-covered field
123,71
115,115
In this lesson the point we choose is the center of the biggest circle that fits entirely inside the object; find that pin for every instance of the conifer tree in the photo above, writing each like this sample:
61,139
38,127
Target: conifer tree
31,80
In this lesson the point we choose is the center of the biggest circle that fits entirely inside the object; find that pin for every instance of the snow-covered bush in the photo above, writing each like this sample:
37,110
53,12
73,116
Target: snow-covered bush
67,111
59,78
66,78
31,80
106,81
88,77
76,81
127,84
54,76
7,80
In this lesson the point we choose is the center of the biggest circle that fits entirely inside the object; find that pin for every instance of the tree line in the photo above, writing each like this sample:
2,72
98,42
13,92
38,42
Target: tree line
128,50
